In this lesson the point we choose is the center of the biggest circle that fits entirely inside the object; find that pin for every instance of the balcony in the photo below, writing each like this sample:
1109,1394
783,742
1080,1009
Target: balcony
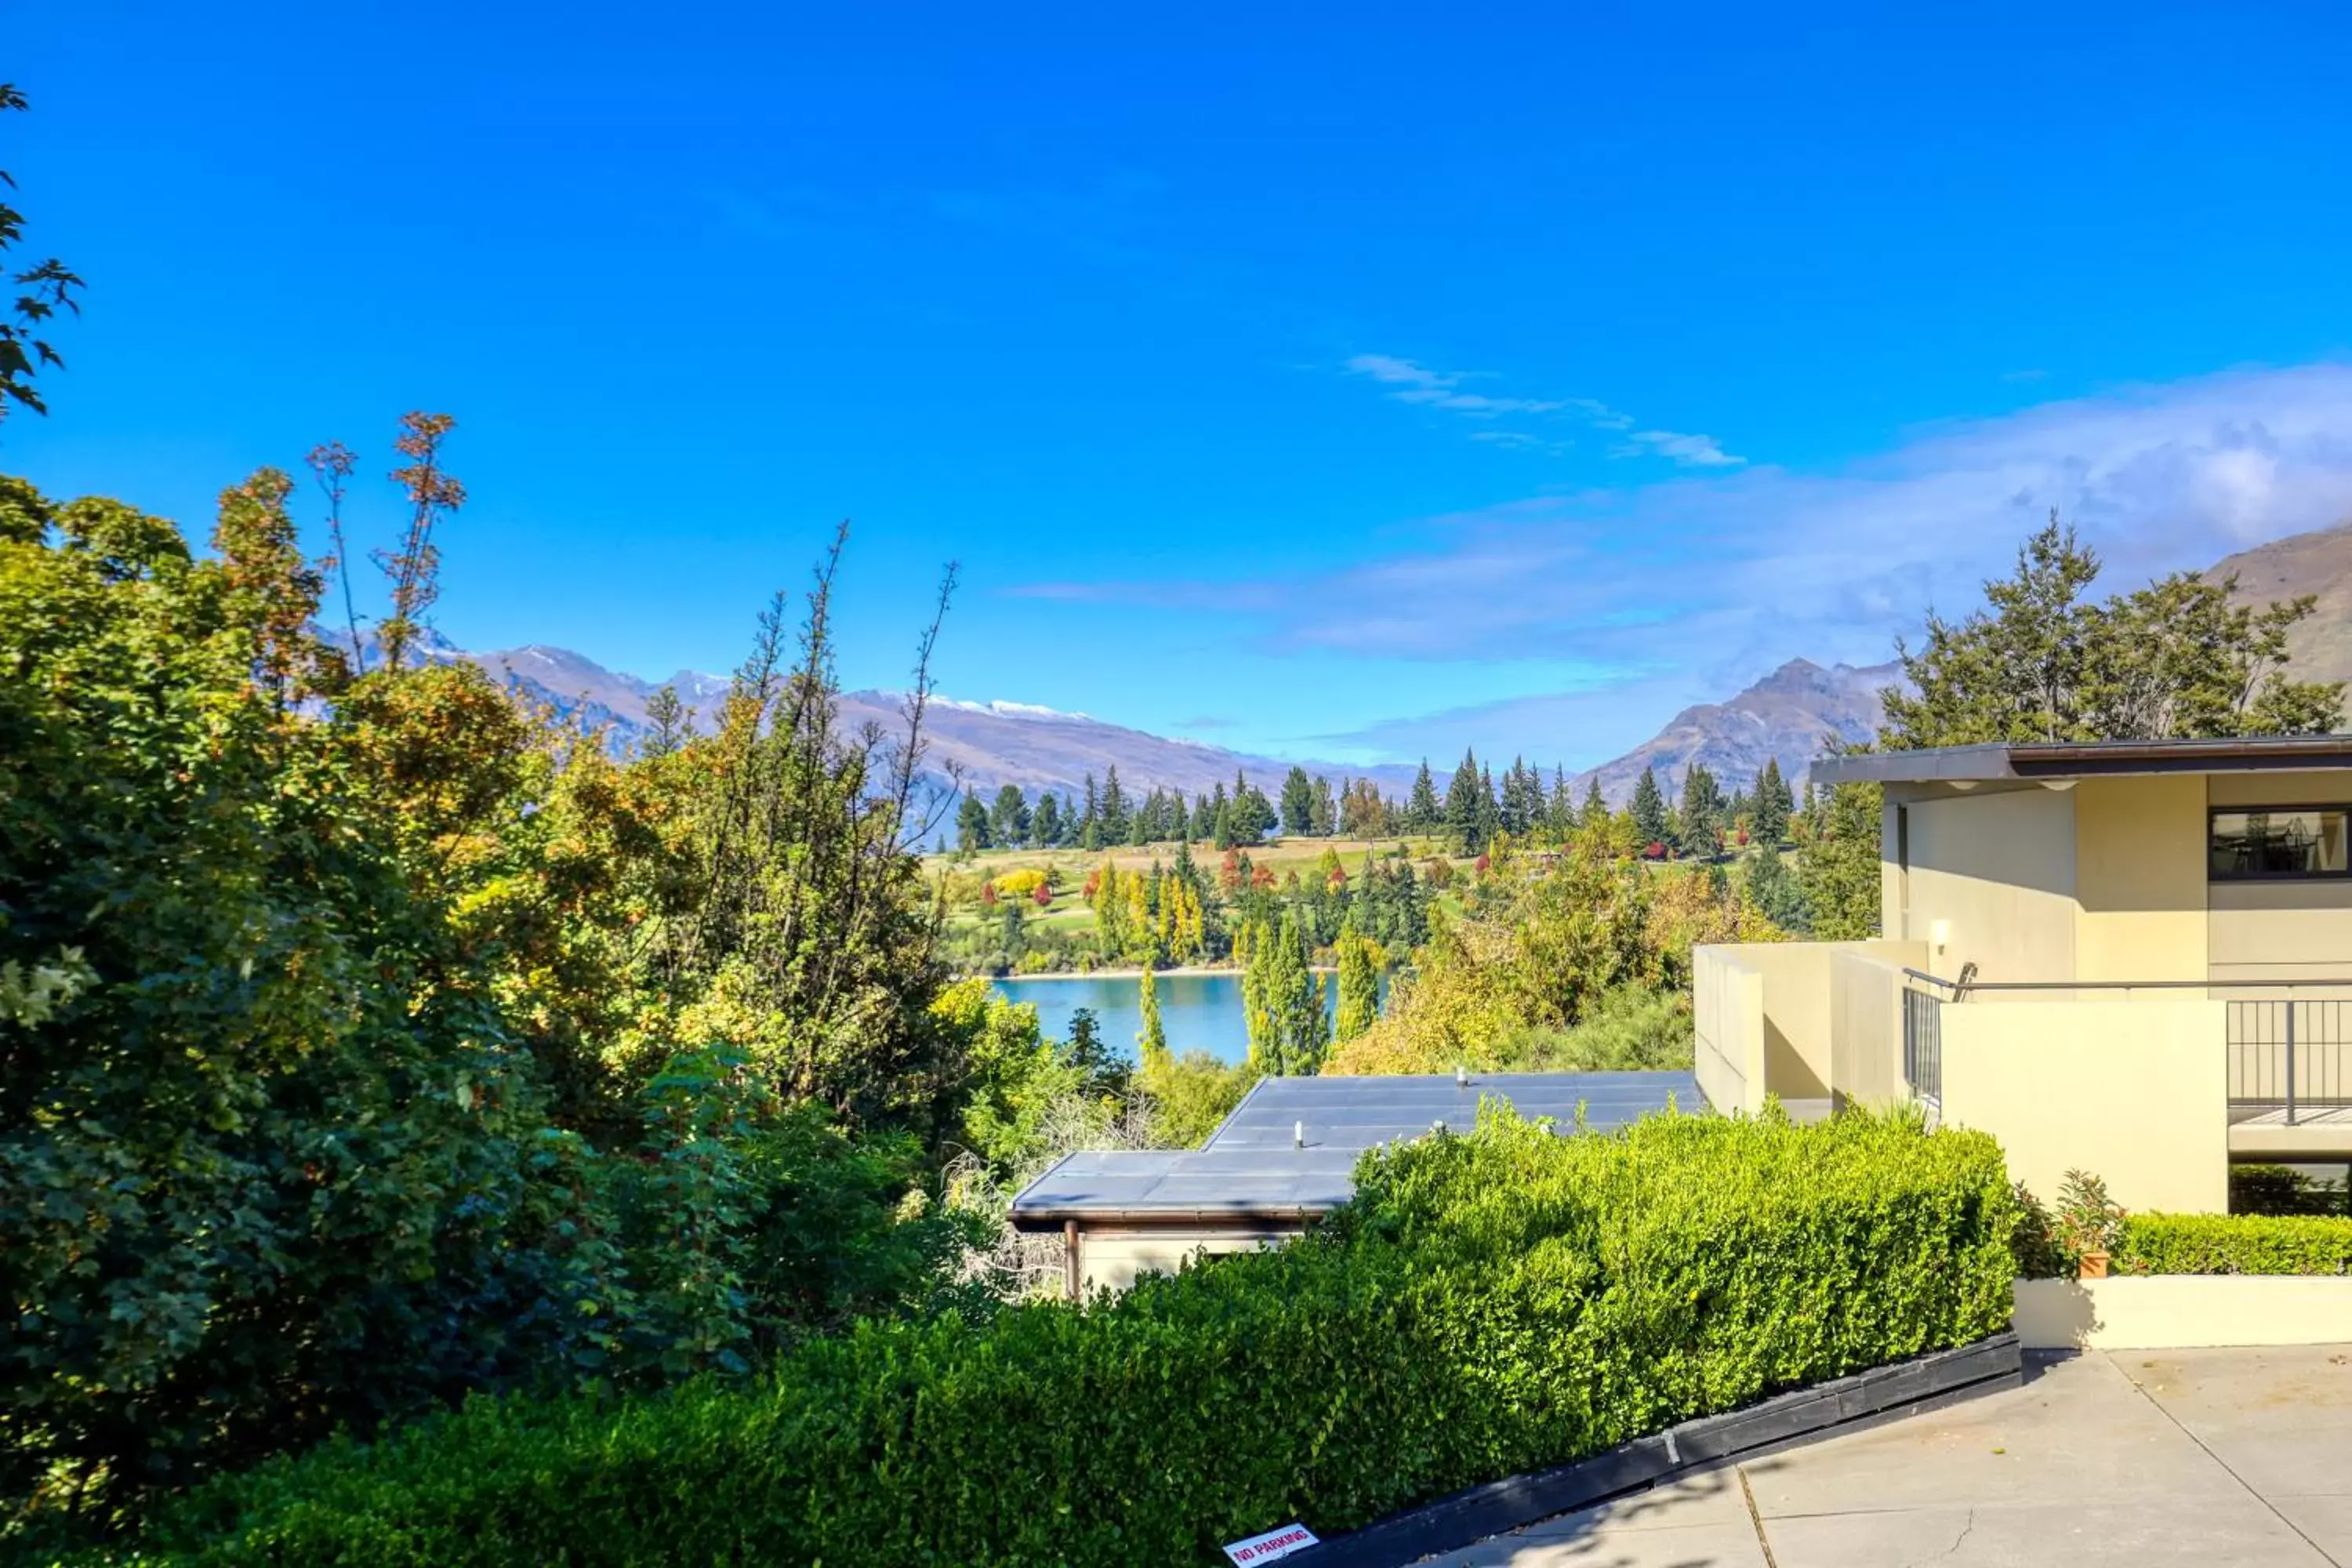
2157,1085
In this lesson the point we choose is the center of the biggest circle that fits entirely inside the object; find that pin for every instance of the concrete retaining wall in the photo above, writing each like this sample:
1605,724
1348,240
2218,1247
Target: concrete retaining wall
2183,1311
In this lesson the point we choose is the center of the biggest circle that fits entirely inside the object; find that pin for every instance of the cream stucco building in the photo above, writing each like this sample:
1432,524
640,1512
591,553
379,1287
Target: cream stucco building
2133,958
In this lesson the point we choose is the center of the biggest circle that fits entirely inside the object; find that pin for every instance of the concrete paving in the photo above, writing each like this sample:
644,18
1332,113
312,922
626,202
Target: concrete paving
2146,1458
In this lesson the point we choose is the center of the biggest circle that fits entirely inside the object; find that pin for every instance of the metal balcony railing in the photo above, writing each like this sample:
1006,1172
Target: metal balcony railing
2290,1054
1923,1046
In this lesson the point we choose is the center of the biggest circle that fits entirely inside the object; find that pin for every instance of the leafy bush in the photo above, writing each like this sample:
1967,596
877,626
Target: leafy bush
1626,1028
2233,1244
2286,1190
1192,1094
2088,1220
1547,945
1022,883
1488,1304
368,1043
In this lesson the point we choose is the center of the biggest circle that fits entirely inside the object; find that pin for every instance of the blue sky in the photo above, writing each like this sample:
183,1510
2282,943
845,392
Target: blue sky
1354,382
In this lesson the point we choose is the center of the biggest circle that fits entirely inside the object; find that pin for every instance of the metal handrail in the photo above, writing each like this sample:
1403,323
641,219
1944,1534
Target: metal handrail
1957,985
1959,990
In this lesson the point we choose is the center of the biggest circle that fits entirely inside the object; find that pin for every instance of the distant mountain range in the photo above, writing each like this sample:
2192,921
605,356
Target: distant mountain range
991,744
1786,715
2320,563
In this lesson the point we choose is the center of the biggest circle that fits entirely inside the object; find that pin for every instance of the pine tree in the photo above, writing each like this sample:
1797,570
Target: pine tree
1465,820
1204,819
1769,824
1650,823
1045,823
1560,812
1324,820
1253,814
1700,820
1489,814
1151,1040
672,722
1421,813
1776,893
1596,810
1840,868
1297,802
1113,808
1008,819
1090,833
972,824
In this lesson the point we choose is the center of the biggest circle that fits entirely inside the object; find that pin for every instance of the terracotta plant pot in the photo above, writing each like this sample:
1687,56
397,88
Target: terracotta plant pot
2093,1267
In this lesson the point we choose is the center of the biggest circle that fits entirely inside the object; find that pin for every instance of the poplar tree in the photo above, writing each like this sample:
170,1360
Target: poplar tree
1359,1001
1151,1040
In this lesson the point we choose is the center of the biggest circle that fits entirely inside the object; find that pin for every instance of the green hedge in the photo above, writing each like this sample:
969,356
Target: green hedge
2233,1244
1490,1304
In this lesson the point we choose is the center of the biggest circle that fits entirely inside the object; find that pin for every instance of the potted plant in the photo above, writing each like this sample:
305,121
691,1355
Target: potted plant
2089,1223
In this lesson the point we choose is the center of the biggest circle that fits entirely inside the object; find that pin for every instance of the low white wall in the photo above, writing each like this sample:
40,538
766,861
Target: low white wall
1866,1019
2183,1311
2134,1091
1113,1259
1727,1029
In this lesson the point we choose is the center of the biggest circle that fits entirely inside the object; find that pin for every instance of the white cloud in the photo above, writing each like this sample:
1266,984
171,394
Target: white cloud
1690,451
1693,586
1397,371
1423,386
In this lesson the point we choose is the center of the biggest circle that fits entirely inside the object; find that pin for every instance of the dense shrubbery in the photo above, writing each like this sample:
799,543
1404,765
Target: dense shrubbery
1489,1304
1547,946
2290,1190
2233,1244
367,1041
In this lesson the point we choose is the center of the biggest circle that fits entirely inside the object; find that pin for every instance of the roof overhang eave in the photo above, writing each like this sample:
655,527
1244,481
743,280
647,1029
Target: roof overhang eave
2052,762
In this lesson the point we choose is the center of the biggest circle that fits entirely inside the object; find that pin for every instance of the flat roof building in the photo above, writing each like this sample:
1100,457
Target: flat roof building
1286,1156
2128,957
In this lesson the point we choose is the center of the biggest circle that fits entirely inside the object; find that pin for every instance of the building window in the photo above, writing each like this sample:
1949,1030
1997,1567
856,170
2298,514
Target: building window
2285,841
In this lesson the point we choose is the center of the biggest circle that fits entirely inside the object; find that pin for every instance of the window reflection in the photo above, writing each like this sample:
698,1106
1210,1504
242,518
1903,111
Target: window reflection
2290,841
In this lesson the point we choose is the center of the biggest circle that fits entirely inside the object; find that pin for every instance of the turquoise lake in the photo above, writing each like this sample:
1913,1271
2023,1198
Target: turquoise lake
1200,1012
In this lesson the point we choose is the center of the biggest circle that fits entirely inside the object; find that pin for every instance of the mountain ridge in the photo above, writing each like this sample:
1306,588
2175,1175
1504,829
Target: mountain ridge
1786,715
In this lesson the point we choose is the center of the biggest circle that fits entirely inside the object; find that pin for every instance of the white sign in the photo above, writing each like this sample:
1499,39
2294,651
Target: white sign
1274,1543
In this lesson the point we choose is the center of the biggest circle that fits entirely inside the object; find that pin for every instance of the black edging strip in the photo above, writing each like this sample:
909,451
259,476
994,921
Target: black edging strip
1824,1410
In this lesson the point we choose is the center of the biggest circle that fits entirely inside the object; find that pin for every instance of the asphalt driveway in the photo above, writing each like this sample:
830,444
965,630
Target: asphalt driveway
2144,1458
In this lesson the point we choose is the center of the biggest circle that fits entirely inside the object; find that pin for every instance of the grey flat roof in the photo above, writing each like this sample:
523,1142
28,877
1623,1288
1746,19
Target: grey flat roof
1250,1169
2087,758
1354,1113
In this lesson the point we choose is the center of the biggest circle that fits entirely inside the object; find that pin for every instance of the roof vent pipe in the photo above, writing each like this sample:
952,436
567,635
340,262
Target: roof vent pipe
1461,1076
1298,1135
